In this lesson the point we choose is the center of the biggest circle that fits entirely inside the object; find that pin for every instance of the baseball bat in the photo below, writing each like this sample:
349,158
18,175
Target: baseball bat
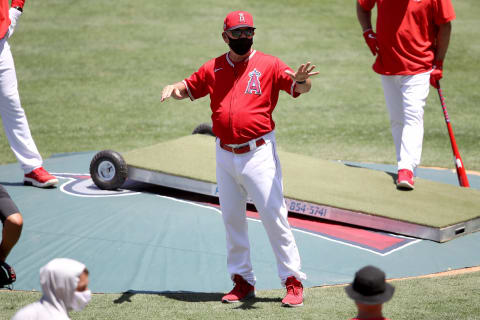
461,174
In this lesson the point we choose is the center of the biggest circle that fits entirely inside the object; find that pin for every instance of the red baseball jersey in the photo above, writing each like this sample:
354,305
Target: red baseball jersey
407,32
243,95
4,17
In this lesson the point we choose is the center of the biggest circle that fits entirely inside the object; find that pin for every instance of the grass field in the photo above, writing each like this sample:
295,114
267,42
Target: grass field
452,298
91,72
90,76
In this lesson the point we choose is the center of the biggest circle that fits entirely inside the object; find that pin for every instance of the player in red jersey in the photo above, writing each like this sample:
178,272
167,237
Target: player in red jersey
411,43
13,116
244,85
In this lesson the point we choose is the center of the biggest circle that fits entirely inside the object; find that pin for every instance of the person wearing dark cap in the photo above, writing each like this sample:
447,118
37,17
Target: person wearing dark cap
244,86
369,290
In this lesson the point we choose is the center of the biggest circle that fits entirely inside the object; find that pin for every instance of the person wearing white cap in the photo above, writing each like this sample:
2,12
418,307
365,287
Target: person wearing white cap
65,287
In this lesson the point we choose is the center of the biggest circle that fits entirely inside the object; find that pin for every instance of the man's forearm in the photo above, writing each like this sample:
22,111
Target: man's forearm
443,39
364,18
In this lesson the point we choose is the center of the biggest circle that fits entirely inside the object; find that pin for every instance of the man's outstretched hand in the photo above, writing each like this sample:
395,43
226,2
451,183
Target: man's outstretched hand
304,72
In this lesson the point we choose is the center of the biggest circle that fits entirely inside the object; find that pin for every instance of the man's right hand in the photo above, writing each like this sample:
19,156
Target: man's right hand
171,91
436,74
371,40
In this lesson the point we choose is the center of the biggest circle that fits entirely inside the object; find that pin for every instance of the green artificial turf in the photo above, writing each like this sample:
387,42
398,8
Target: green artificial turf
324,182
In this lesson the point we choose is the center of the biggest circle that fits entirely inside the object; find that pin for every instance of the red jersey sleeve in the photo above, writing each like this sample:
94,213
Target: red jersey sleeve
443,12
367,4
196,84
18,3
284,81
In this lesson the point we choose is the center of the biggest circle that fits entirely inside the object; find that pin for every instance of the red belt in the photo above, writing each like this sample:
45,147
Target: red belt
243,149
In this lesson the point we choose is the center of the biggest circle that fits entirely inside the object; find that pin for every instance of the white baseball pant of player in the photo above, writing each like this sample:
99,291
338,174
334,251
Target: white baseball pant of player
13,116
256,174
405,97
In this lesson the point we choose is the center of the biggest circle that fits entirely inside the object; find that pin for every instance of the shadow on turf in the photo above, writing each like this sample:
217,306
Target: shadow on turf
188,296
21,184
13,184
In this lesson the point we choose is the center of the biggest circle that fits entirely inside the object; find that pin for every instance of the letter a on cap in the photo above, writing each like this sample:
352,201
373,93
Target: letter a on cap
238,19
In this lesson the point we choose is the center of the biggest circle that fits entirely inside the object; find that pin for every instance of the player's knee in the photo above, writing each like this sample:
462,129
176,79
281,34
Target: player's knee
14,221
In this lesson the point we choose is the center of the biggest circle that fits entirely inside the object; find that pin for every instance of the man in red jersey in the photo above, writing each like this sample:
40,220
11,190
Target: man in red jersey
369,291
13,116
411,43
244,85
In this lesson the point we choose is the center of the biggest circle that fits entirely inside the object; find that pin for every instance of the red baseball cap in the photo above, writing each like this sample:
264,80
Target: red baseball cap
238,19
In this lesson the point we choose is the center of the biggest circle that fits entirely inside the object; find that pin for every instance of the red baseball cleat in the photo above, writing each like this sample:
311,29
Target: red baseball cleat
40,178
294,297
241,291
405,179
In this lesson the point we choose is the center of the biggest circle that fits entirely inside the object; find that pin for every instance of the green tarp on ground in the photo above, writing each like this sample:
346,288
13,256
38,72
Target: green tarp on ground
149,242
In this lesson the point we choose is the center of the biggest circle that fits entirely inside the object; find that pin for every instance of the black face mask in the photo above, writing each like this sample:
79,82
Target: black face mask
241,45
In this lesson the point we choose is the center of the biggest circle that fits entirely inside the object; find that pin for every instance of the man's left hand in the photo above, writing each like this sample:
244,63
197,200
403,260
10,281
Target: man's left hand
303,73
436,74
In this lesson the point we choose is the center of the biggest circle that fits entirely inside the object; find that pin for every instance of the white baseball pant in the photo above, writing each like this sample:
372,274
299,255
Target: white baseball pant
405,97
13,116
256,174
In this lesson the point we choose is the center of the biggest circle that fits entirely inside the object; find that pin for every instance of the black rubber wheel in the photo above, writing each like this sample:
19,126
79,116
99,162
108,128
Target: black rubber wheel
108,170
204,128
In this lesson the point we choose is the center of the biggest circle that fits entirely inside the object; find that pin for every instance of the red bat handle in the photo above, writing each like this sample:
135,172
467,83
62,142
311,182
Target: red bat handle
461,174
